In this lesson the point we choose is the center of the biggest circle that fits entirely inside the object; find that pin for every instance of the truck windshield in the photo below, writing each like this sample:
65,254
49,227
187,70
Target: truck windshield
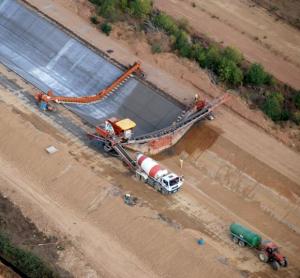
174,181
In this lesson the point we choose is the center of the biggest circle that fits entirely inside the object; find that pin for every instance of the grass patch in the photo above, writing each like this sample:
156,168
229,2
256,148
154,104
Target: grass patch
25,261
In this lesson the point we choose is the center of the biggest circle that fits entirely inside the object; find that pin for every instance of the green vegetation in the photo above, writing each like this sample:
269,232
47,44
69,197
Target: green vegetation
296,117
140,8
106,28
229,72
156,48
226,63
296,100
273,106
24,261
257,76
94,19
233,55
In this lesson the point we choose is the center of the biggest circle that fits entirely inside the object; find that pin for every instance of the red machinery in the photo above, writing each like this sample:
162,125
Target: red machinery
270,254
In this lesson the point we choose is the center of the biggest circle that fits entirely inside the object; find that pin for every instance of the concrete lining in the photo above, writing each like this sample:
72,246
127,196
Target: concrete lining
49,58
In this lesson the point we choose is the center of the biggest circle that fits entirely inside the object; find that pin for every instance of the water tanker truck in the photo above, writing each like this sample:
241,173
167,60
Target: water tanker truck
149,171
268,251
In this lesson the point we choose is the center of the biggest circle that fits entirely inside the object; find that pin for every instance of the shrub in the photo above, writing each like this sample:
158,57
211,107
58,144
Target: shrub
256,75
156,48
25,261
213,58
123,5
183,24
296,117
229,72
233,55
269,80
166,23
296,100
182,44
141,8
198,53
94,19
96,2
106,28
273,106
108,9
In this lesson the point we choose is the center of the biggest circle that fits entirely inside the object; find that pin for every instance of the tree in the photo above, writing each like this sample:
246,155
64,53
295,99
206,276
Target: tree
141,8
106,28
108,9
229,72
198,53
182,44
213,58
256,75
233,55
166,23
273,106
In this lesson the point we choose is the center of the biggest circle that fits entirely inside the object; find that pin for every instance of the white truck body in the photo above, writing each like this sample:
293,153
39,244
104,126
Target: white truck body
161,179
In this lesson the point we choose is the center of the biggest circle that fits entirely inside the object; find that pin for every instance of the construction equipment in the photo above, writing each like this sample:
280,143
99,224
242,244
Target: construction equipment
130,200
113,133
149,171
194,114
268,251
44,100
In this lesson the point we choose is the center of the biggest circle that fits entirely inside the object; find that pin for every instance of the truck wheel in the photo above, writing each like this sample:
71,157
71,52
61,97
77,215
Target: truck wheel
235,239
241,243
164,192
275,265
157,187
263,257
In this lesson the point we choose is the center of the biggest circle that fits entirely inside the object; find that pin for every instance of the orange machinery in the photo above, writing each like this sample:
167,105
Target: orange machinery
50,97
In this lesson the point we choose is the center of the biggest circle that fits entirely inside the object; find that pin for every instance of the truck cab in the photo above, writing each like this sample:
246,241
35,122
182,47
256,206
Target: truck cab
171,182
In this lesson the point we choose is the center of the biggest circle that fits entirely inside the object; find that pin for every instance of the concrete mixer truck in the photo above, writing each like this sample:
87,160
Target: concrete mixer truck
149,171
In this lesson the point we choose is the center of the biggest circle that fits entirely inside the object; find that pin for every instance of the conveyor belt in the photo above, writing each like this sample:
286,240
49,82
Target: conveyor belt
176,126
93,98
124,156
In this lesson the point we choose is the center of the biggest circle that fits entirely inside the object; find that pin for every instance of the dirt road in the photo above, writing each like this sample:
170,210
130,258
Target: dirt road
237,23
234,172
77,193
81,198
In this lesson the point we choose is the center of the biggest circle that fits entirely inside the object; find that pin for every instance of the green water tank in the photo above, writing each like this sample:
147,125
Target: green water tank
252,239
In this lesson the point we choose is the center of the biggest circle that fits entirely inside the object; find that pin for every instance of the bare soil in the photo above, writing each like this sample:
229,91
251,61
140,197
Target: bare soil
6,272
287,10
234,171
77,194
249,28
24,234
